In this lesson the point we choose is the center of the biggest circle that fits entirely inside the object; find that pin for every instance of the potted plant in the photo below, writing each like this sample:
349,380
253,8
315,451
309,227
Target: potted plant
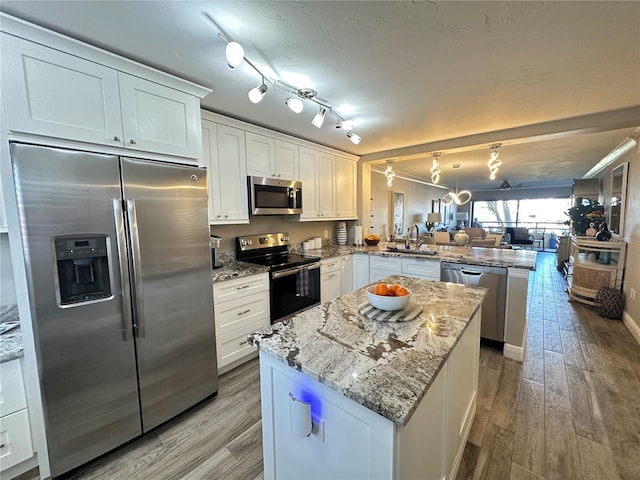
583,213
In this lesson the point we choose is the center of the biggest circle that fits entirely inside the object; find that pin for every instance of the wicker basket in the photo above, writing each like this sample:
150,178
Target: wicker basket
609,303
591,278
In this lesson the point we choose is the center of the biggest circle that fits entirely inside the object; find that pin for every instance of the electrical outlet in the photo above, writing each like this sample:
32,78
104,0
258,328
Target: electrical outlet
632,293
326,234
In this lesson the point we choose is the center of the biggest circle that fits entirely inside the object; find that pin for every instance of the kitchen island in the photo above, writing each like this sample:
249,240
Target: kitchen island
386,400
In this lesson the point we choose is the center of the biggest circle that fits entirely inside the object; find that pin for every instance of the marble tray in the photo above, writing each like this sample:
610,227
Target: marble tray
410,312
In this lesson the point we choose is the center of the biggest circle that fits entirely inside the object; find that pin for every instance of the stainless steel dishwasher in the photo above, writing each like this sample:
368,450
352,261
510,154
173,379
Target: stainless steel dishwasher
493,308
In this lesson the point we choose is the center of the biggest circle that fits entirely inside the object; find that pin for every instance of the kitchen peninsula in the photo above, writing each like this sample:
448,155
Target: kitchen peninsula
386,400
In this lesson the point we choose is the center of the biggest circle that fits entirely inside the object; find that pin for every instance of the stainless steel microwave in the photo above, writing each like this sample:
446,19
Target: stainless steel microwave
274,196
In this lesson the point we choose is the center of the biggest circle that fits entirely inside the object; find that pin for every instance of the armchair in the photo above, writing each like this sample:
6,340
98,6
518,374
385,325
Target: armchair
519,236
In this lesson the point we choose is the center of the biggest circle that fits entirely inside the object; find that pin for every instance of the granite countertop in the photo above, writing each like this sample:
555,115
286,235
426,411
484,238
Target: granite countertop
235,269
493,257
386,367
10,342
330,251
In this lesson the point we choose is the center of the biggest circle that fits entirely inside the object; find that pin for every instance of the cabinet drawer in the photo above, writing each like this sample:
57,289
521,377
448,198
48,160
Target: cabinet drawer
390,264
240,287
232,315
15,439
421,268
330,265
12,397
234,346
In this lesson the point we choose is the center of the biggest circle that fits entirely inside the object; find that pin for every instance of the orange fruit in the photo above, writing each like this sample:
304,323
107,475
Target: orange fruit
394,288
382,289
401,292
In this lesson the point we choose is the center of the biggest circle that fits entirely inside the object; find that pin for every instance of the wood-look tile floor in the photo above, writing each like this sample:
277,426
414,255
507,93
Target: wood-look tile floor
570,410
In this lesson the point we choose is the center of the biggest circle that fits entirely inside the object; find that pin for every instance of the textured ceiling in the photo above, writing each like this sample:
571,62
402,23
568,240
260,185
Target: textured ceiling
558,83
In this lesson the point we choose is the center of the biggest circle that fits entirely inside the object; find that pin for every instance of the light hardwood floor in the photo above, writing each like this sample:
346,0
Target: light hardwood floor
571,410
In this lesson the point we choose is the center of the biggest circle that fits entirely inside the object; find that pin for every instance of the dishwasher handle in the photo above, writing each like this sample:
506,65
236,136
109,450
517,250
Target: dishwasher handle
468,272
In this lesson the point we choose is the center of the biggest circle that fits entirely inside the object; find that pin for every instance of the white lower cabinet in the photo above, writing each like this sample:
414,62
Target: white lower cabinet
380,267
330,279
349,441
346,266
240,307
360,270
15,433
421,268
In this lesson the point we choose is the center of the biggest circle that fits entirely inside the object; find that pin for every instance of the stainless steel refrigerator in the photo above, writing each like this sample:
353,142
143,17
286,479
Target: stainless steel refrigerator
119,270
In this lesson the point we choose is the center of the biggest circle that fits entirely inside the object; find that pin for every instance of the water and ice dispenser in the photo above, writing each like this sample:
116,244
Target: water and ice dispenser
83,268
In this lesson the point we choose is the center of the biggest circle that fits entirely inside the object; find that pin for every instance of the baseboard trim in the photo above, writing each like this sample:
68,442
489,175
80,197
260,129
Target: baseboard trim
631,326
513,352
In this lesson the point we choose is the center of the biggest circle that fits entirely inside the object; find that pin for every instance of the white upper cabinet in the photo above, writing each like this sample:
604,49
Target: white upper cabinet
223,153
346,187
328,186
159,119
270,157
61,95
47,92
310,179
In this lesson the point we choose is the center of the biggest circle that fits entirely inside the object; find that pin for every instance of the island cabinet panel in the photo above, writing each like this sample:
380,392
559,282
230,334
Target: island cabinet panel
462,392
347,441
421,268
420,450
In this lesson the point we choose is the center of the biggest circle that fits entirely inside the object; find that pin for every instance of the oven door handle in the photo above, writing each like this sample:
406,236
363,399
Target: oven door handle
294,271
285,273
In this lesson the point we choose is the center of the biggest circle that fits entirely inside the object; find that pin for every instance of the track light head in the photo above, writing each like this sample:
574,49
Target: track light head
257,93
345,124
318,120
295,104
235,54
355,139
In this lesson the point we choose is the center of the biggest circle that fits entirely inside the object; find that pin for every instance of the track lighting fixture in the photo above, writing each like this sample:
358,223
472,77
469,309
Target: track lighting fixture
235,54
494,162
389,173
257,93
435,169
318,120
235,57
459,198
295,104
355,139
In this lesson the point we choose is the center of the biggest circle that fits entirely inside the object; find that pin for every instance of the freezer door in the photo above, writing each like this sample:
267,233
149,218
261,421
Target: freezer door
86,365
171,276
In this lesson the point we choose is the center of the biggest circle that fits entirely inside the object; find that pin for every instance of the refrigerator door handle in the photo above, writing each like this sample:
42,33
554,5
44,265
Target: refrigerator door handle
127,320
135,267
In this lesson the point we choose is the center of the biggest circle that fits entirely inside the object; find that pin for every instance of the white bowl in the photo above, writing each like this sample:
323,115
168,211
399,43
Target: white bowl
387,303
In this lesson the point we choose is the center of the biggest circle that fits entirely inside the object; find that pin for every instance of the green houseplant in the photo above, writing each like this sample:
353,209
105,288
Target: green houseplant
583,213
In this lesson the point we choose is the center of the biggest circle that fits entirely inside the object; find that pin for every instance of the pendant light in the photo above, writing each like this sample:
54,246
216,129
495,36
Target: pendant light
494,162
459,198
435,169
389,173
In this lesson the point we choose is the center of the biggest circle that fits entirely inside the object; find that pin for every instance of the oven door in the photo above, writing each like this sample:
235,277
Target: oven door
294,289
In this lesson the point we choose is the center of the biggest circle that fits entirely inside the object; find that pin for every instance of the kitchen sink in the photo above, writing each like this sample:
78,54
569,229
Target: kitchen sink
428,253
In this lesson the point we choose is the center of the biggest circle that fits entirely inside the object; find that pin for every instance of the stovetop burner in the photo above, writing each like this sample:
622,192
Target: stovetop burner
270,249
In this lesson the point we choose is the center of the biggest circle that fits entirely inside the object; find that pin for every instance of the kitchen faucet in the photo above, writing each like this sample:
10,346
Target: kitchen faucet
418,239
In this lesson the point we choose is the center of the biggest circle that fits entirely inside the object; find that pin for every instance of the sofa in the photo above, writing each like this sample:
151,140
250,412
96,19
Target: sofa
519,236
476,233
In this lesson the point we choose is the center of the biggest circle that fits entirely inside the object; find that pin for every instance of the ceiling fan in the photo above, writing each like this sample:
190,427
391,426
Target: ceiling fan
505,185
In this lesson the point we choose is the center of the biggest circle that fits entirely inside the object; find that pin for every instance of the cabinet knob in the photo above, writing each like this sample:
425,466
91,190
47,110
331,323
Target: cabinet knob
132,141
226,216
116,138
218,216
